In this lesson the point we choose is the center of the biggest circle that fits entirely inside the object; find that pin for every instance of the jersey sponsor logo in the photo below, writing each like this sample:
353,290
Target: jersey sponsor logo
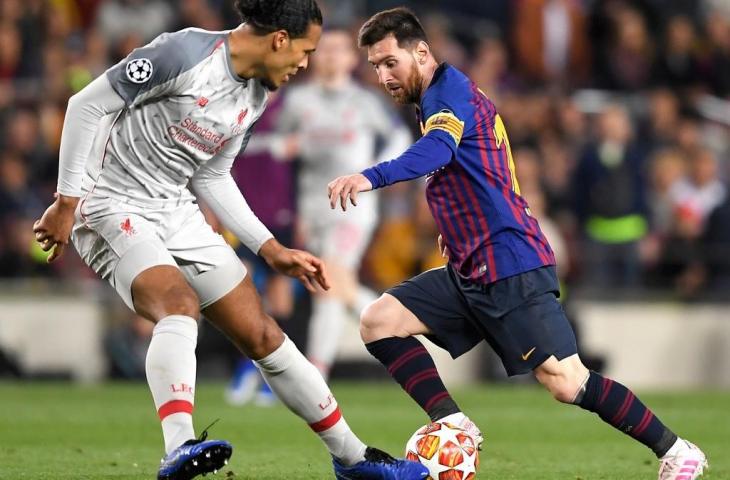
446,121
139,70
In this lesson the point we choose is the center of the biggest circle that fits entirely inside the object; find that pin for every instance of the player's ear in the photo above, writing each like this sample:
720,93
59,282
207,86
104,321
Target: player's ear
280,40
422,51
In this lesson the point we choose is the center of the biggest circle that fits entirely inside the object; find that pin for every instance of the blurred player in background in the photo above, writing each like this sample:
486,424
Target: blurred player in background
333,125
500,283
330,125
175,114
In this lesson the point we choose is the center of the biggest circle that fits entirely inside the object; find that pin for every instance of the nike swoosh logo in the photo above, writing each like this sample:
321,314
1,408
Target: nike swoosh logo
527,355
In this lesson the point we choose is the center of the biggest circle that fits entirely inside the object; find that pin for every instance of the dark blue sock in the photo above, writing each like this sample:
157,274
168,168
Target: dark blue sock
619,407
410,364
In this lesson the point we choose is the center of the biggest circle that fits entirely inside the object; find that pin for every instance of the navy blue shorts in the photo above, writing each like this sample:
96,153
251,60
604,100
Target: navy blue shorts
520,316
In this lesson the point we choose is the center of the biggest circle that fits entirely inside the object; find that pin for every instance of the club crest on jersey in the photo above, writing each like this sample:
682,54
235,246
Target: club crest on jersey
139,70
237,127
241,115
127,228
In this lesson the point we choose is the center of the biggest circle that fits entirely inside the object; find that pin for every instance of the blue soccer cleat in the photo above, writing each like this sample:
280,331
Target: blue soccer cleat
195,457
378,465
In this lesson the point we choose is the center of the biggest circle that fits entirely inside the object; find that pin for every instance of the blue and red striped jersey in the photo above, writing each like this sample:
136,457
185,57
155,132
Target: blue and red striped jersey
472,189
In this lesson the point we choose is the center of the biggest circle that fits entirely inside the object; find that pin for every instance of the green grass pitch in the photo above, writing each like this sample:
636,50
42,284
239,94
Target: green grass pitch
61,431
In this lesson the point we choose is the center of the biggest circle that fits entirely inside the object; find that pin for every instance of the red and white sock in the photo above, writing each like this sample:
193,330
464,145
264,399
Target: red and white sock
300,386
171,368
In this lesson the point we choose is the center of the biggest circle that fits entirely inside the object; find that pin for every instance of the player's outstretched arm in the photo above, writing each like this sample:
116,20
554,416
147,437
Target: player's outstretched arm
345,188
299,264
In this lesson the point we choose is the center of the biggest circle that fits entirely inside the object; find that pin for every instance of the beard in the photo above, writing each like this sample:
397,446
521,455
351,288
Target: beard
269,85
412,88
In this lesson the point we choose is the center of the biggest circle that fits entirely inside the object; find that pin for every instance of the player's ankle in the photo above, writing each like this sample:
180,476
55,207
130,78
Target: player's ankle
453,418
676,447
443,409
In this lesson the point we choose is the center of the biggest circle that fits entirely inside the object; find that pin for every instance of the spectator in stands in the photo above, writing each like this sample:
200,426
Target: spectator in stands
610,202
551,42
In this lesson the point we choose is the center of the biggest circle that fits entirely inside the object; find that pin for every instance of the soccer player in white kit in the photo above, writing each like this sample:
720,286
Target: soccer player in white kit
140,144
337,124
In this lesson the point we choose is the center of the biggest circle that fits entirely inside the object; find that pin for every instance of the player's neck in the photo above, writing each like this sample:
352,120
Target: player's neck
427,73
245,49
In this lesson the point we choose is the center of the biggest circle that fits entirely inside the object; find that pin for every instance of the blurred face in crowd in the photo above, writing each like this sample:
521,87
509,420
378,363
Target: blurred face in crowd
615,125
703,167
289,55
336,55
399,68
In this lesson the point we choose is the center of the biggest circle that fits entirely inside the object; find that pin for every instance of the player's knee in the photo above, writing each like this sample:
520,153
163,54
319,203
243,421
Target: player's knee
374,321
181,300
169,300
265,339
562,380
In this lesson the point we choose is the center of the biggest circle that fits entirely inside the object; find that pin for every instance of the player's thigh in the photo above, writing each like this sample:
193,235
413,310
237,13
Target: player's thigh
119,246
208,263
240,315
435,308
388,317
530,334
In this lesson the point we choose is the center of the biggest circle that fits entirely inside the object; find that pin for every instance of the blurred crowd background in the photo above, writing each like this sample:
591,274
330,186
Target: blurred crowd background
618,114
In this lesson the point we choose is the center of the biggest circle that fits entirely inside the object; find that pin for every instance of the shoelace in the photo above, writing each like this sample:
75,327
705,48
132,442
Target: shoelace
203,435
373,455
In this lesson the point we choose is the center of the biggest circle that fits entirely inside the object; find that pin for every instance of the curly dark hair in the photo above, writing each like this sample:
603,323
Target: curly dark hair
267,16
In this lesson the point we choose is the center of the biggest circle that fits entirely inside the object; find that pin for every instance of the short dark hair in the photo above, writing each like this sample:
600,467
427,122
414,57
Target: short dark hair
400,21
266,16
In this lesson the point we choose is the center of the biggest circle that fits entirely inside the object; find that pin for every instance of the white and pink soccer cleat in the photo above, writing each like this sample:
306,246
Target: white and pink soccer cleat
687,463
463,422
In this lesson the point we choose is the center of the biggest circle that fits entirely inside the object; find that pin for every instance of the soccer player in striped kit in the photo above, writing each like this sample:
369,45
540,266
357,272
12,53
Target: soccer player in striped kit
499,284
171,116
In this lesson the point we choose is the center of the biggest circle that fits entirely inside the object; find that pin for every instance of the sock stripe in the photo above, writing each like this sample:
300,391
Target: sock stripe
416,379
606,387
175,406
327,422
435,399
644,423
621,414
406,357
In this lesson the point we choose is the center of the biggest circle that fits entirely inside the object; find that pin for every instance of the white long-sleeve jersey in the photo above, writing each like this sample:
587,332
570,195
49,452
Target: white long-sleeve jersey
173,114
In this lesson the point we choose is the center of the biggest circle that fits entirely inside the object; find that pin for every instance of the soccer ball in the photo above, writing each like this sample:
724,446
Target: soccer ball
446,450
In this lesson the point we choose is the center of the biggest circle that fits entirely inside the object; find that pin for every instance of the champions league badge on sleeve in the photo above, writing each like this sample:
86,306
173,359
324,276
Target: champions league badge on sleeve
139,70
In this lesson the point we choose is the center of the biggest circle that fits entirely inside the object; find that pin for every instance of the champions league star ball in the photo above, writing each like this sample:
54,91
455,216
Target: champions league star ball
446,450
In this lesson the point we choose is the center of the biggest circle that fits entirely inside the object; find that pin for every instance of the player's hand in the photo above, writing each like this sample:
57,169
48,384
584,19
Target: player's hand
53,229
298,264
442,247
346,188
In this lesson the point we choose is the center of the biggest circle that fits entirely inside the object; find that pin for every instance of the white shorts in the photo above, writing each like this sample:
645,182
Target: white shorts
119,238
340,236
